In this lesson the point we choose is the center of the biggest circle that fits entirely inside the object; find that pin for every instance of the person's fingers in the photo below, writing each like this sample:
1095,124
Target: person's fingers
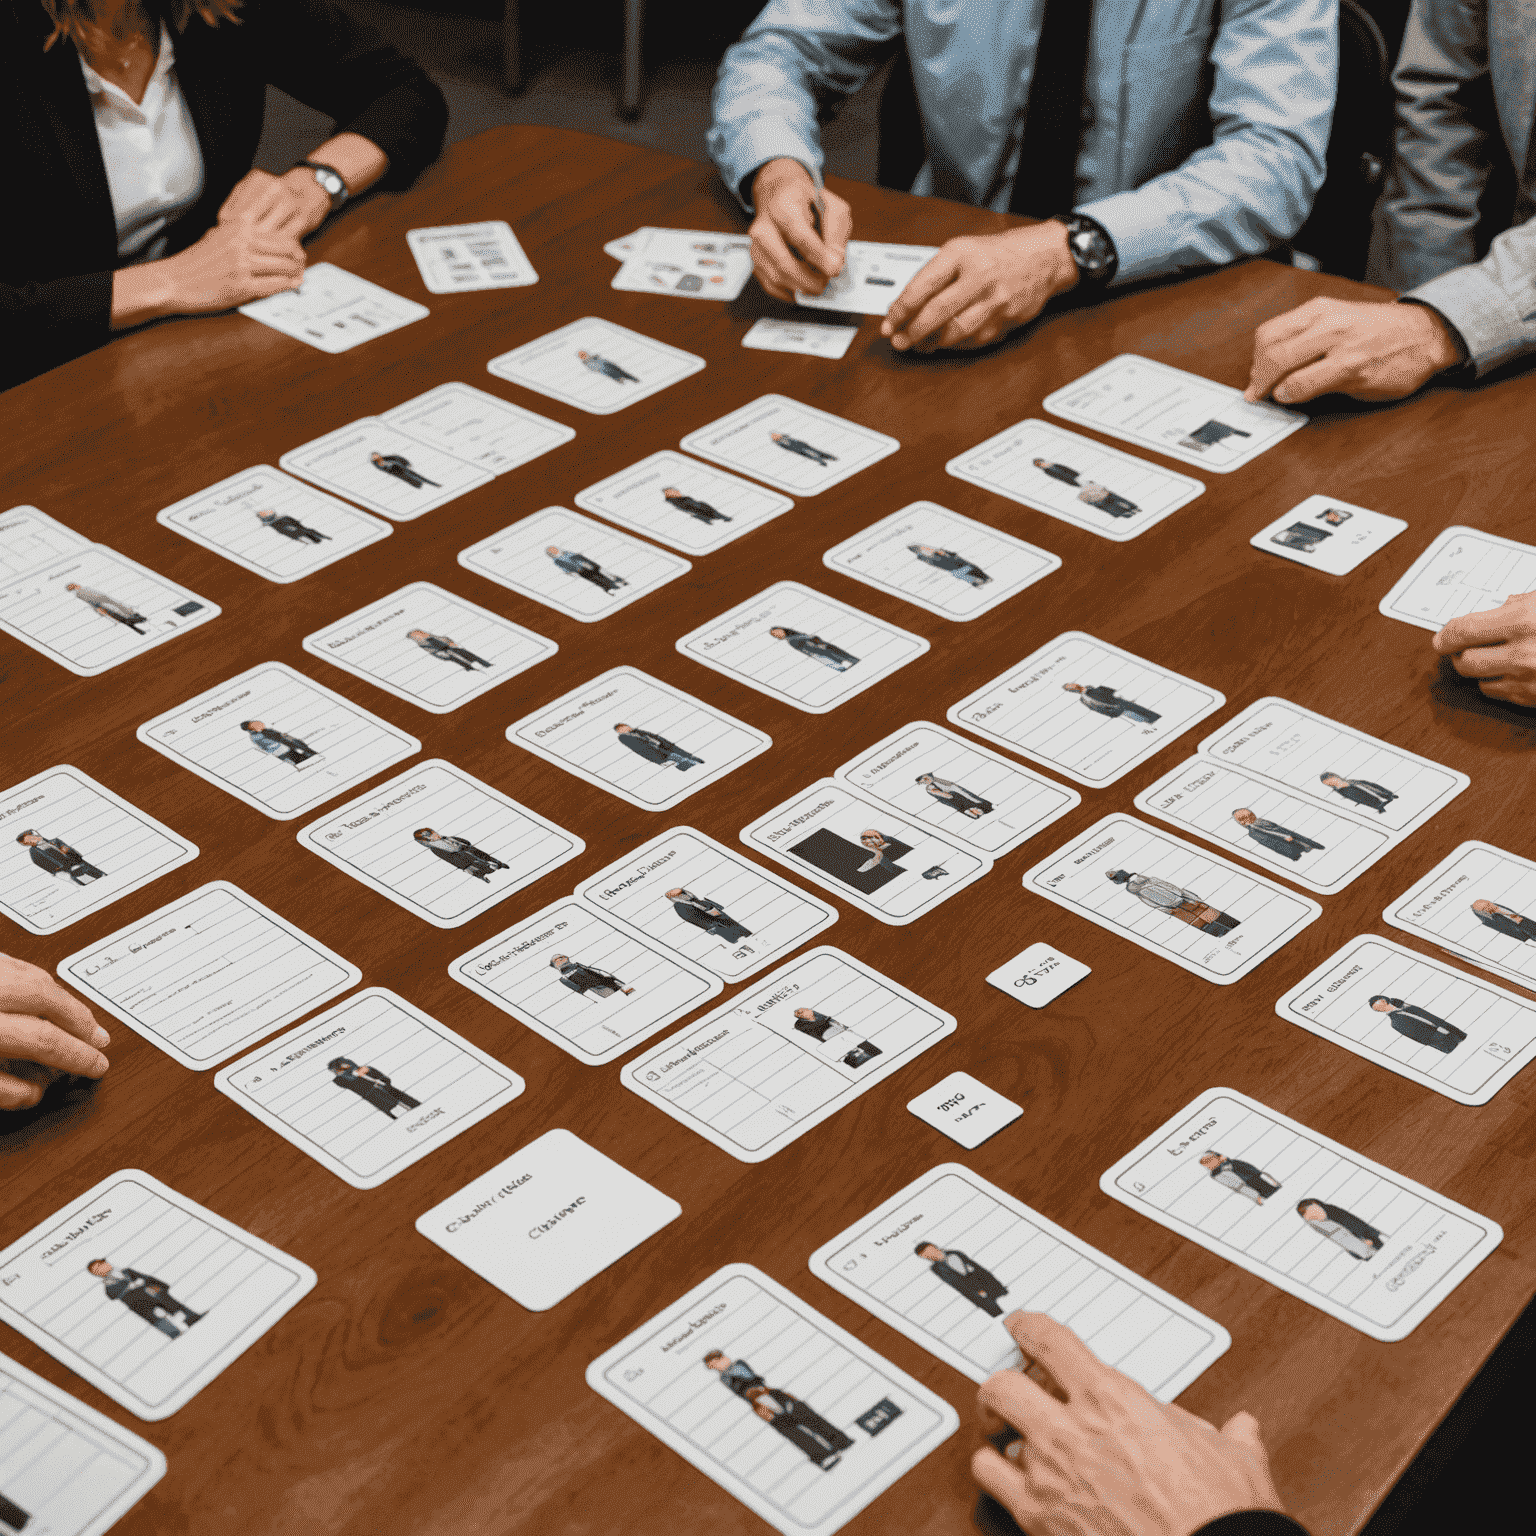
17,1092
33,1039
1022,1403
42,996
933,278
1509,690
974,326
929,322
837,227
1001,1477
1274,360
1490,627
1326,375
771,256
1244,1428
1485,661
791,215
1073,1365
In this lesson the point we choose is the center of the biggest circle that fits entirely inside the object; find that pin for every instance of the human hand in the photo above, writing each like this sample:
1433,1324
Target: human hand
1498,646
232,264
788,255
43,1031
292,204
980,286
1110,1460
1370,351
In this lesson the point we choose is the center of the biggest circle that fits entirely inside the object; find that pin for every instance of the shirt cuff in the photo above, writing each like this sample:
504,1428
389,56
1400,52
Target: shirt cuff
1253,1522
1479,311
1141,244
754,144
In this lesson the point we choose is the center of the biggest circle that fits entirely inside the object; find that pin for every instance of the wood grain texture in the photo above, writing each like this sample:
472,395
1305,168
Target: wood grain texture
406,1395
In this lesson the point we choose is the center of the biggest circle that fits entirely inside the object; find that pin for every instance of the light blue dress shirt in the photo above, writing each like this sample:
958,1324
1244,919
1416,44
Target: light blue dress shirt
1205,122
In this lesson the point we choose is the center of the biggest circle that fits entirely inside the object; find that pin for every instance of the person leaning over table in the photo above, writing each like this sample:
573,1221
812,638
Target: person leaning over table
131,126
44,1033
1153,139
1453,311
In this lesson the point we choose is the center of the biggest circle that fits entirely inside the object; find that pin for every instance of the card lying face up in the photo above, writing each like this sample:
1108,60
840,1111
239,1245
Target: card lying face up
683,503
707,904
544,1221
208,975
873,277
272,524
1085,708
1463,571
1177,413
595,365
1204,914
948,564
1075,479
277,741
1417,1017
583,982
930,775
30,539
1327,534
638,738
1354,1239
790,1414
571,564
335,310
860,849
408,1084
481,429
144,1293
66,1469
71,847
440,843
688,263
783,1055
796,447
430,647
461,258
802,648
946,1258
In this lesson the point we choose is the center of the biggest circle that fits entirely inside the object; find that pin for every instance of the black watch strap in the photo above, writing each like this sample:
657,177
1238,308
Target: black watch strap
1091,247
330,181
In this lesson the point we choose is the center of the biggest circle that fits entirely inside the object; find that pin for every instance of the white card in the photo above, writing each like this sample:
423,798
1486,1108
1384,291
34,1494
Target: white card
30,539
276,740
964,1110
481,429
97,609
440,843
86,848
872,278
700,900
931,775
181,1292
1176,413
1379,784
335,310
544,1221
1328,534
64,1466
1417,1017
798,1419
1376,1250
785,1054
272,524
1039,975
796,447
1086,708
858,848
627,245
946,1258
801,647
771,335
430,647
690,263
369,1087
1202,913
586,984
385,468
948,564
461,258
1075,479
1463,571
683,503
571,564
1299,840
639,738
595,365
208,975
1480,904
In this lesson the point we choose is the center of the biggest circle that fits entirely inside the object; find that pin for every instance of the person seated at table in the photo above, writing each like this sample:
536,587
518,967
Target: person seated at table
1453,311
1087,1451
1148,147
132,126
45,1032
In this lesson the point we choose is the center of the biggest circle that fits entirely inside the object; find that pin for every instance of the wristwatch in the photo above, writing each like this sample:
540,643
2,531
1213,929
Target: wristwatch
330,180
1092,249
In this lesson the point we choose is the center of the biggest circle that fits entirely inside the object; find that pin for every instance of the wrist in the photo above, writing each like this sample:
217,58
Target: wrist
143,293
1442,344
773,175
313,200
1065,274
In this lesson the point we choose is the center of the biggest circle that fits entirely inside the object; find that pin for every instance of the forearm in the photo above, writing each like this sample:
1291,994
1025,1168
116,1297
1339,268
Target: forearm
358,161
1491,303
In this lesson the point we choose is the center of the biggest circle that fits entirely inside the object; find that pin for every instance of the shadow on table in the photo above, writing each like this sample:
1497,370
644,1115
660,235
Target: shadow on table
1454,693
66,1103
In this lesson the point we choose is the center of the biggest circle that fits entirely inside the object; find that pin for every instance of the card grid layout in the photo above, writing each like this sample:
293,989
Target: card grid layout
1463,571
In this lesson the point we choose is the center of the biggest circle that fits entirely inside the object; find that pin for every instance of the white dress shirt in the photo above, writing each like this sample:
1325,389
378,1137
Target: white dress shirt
154,162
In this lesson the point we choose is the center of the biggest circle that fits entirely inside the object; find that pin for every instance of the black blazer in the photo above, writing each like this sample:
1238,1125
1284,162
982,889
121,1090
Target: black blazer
56,277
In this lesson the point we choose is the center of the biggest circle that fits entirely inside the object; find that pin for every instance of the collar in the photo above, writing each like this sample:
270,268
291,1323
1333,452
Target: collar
165,62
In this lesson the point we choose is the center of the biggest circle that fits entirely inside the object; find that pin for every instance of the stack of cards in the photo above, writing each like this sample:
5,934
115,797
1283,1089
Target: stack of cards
1463,571
595,365
81,604
691,263
335,310
1328,534
795,447
462,258
872,278
773,335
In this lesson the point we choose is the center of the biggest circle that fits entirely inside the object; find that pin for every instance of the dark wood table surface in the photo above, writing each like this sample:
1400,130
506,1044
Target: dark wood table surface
407,1395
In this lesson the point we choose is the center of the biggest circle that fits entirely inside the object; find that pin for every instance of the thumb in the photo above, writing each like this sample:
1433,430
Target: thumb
1244,1429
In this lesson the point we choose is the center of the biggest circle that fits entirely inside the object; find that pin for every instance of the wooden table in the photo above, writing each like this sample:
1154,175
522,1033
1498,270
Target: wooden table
407,1395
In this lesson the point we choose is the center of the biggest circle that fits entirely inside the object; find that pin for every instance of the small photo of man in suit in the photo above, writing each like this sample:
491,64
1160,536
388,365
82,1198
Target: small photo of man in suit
1502,920
371,1086
823,1443
459,852
817,649
956,796
796,445
290,528
108,607
1419,1024
947,560
54,856
399,466
275,743
819,1026
1091,494
706,913
574,564
1359,1239
1361,791
1335,516
587,979
1269,834
145,1297
1241,1178
1210,433
700,511
609,370
656,749
1300,536
961,1273
1174,901
441,648
1105,701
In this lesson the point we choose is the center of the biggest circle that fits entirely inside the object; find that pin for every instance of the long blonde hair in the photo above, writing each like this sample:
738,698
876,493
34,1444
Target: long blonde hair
75,20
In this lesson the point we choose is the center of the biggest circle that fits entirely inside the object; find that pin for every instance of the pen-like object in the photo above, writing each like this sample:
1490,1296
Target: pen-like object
819,215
